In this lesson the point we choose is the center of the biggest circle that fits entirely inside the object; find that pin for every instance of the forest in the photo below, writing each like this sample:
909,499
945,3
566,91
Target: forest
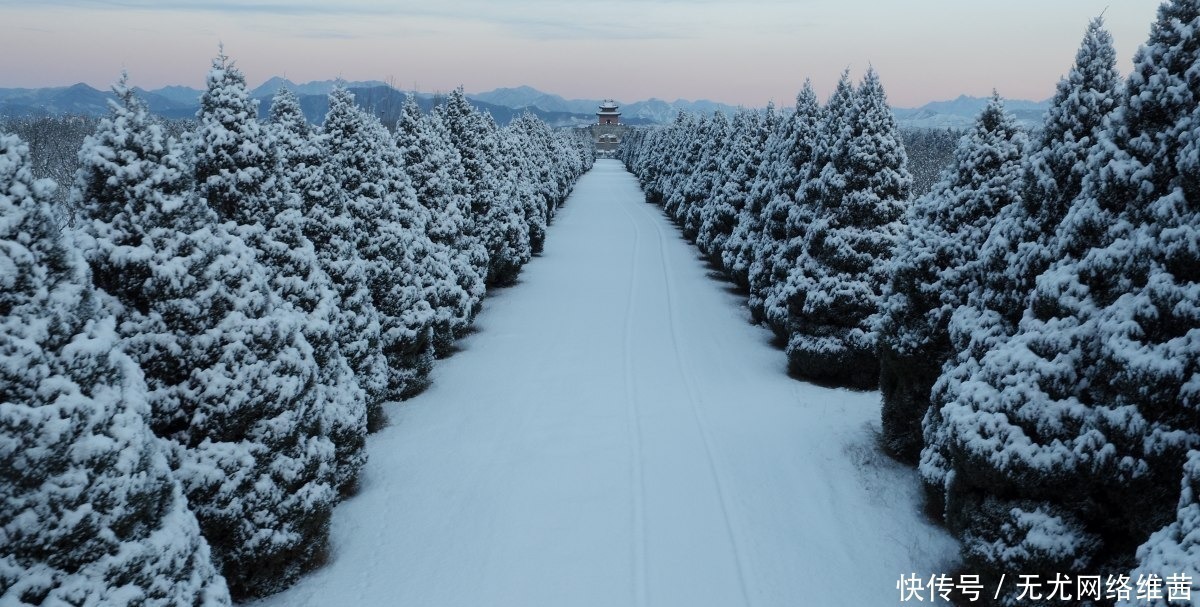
1031,321
204,322
200,327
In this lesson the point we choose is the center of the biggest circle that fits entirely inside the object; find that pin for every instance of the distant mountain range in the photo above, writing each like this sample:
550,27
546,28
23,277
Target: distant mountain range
77,99
183,102
650,111
960,113
957,113
503,103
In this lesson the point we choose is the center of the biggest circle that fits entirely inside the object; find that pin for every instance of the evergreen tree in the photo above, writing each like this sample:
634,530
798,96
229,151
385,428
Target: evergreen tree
302,281
653,164
505,228
747,231
240,172
784,292
435,170
499,224
681,188
229,372
390,236
462,130
859,196
742,163
89,510
928,278
705,175
533,170
563,158
512,181
1021,245
1088,410
329,225
458,189
1173,552
679,159
784,211
232,155
728,154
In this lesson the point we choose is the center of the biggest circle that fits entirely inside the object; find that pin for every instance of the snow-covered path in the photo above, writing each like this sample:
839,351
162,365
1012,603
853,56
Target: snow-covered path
617,434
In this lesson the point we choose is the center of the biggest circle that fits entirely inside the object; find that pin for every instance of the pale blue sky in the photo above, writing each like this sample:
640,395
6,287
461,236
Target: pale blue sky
743,52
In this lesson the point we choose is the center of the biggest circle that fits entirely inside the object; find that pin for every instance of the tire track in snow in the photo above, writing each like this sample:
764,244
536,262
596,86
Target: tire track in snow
694,402
636,473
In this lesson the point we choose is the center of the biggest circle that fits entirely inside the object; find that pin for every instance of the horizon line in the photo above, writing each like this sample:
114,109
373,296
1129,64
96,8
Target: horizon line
384,82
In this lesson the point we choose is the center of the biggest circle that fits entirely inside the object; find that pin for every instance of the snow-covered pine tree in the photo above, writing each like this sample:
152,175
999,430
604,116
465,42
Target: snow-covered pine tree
462,129
858,200
747,232
741,165
632,150
240,172
1173,552
563,152
229,373
547,171
90,512
512,166
651,163
694,143
928,279
725,160
231,154
1087,411
507,232
677,158
1156,364
784,282
527,148
706,175
391,238
299,276
585,154
782,238
329,225
580,156
681,160
436,172
1021,245
641,151
500,224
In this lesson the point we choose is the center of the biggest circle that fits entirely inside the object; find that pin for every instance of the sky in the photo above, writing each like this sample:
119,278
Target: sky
743,53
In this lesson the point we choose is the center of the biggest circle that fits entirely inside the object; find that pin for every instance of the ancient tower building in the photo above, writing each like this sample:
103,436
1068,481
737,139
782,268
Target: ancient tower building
608,129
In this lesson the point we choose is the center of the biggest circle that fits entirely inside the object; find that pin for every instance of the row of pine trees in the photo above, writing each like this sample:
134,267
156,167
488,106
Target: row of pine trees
801,209
1033,322
194,349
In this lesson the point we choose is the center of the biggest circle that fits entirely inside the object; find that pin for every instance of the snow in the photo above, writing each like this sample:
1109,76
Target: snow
617,433
90,513
1174,550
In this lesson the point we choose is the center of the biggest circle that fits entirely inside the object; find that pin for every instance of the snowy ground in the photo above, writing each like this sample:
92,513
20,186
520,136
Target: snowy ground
617,434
